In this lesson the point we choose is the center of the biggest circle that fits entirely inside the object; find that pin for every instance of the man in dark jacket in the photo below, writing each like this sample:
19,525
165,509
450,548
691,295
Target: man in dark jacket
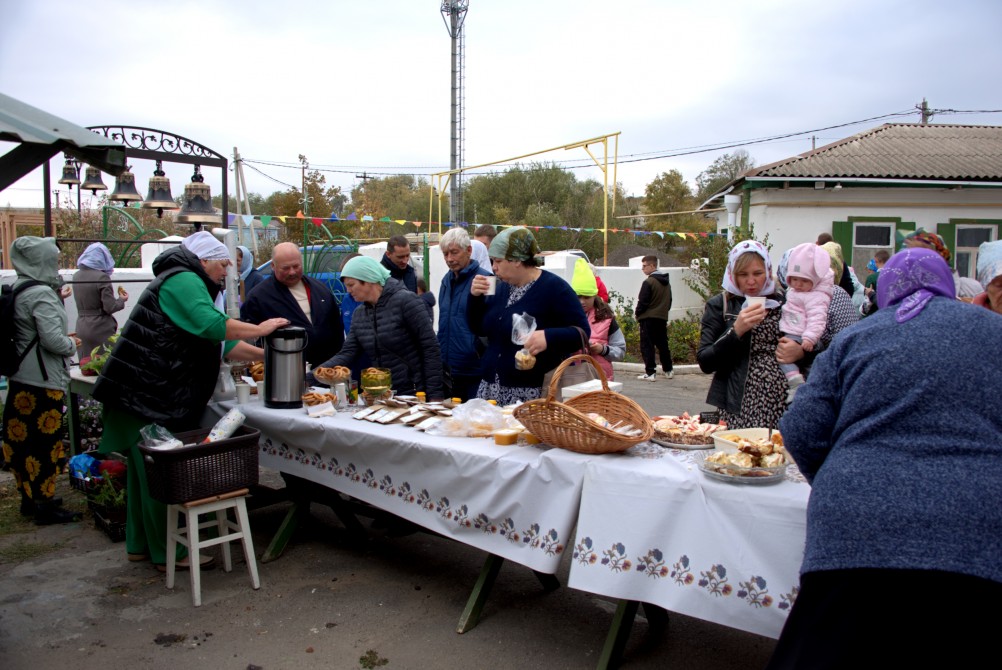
653,305
397,260
304,301
461,349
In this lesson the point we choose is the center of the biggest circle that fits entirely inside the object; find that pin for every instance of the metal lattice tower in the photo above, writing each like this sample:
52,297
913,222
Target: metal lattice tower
454,16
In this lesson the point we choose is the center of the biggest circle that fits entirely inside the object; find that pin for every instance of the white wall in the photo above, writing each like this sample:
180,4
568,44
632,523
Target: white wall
797,215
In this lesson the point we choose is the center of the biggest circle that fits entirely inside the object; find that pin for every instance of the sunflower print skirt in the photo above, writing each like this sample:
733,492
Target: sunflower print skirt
33,438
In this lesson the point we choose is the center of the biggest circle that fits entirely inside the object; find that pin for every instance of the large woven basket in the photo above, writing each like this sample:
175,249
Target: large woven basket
566,424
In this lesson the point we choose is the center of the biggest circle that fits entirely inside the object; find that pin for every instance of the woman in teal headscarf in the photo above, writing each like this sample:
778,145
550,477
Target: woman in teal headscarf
391,327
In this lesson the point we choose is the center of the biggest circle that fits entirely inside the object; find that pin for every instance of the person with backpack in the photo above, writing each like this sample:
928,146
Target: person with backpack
36,398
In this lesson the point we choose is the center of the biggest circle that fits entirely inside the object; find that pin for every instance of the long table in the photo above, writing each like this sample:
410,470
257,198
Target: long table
650,527
654,529
519,503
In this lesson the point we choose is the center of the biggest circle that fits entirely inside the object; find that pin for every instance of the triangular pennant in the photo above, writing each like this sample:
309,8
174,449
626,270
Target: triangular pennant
401,221
248,219
282,218
368,217
334,217
300,215
386,219
659,234
316,221
352,217
230,218
265,220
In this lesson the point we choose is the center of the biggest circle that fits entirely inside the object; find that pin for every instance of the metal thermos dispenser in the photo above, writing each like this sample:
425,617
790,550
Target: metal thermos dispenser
284,369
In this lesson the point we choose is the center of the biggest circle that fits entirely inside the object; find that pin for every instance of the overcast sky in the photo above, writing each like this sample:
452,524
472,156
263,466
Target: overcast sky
365,85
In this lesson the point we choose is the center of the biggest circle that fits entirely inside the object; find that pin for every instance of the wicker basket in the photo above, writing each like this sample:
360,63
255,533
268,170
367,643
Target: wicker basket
566,424
202,470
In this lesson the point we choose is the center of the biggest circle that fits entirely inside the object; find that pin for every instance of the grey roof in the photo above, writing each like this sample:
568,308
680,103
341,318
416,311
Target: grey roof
901,151
41,135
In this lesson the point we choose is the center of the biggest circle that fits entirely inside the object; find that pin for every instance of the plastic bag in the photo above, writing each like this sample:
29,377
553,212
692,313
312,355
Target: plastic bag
158,437
474,418
522,326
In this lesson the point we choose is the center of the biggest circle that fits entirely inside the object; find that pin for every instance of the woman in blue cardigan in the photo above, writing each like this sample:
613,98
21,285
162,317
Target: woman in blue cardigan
898,432
522,288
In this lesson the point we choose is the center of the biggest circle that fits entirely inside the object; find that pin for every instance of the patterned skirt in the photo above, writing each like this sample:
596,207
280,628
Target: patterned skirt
33,438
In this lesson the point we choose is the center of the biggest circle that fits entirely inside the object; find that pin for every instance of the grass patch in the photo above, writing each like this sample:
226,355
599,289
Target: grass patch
23,550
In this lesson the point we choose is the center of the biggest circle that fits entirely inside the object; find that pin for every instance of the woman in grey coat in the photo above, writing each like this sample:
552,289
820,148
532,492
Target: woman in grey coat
95,298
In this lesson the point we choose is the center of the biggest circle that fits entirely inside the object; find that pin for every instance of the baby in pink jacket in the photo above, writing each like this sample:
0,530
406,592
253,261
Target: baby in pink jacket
805,314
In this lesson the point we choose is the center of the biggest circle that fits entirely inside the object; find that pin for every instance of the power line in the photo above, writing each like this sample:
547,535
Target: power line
570,164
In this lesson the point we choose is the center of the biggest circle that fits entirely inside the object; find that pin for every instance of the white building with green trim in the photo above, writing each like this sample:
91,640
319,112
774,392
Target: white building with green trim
869,188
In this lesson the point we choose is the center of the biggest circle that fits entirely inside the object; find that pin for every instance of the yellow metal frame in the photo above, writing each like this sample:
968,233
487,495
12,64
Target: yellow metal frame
442,179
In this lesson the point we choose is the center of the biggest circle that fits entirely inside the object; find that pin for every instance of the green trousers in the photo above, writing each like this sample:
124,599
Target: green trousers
146,521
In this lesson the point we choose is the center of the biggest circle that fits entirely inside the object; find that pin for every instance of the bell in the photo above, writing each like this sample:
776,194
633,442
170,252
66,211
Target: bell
125,188
197,208
92,181
71,174
159,196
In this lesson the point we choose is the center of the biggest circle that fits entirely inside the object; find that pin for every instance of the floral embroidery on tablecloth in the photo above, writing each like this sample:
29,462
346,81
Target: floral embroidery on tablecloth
755,592
615,558
680,572
714,580
786,600
653,564
583,553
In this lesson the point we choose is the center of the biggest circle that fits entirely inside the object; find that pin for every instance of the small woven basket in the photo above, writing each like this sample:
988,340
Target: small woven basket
566,424
202,470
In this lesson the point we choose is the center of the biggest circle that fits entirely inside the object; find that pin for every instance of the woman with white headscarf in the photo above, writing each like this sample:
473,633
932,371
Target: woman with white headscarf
738,341
96,300
249,275
163,370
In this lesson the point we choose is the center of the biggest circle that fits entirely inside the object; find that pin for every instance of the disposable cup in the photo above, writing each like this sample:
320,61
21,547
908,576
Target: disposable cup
492,285
755,300
243,393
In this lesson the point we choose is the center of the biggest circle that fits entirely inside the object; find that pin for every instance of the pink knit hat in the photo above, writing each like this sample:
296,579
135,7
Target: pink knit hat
811,262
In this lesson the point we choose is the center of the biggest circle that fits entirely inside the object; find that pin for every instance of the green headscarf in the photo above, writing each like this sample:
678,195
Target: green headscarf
515,244
365,269
583,282
834,250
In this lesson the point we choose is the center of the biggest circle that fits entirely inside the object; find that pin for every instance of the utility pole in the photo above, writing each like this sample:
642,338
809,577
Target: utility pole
454,15
925,112
306,196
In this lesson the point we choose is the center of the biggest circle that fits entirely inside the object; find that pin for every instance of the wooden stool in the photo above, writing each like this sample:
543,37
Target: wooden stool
190,536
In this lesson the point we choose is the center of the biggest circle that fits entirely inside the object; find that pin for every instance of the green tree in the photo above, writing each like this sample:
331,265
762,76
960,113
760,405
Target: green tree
722,171
710,254
325,200
668,192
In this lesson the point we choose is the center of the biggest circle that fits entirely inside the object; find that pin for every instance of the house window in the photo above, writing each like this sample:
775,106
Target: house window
969,238
867,239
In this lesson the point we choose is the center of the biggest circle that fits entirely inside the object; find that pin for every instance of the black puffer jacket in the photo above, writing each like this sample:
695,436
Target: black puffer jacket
396,333
723,353
158,370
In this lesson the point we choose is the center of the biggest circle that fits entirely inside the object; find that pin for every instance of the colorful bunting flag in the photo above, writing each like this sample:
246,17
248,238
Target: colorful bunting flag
265,220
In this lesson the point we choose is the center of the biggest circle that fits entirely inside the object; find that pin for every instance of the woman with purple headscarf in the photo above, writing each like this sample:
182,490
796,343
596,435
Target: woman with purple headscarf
898,432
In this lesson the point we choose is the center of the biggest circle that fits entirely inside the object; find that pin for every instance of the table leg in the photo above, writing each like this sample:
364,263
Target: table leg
549,582
73,422
481,590
619,633
300,510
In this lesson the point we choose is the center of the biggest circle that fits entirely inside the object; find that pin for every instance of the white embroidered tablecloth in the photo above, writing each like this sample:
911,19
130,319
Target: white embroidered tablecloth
519,503
653,528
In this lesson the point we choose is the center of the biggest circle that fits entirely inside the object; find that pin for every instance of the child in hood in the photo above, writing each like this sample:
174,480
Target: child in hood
805,313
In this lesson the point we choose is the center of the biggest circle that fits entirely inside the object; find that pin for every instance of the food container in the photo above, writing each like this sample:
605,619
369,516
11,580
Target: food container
733,474
377,383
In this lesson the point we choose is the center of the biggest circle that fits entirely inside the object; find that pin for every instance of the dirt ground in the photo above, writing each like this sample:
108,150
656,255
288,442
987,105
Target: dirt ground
69,598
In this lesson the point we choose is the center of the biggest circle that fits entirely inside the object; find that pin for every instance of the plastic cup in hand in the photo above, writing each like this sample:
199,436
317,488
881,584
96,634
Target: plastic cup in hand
492,285
755,300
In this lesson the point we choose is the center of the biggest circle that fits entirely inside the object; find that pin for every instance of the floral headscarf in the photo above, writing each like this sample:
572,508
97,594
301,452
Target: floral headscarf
515,244
834,250
929,240
913,277
741,248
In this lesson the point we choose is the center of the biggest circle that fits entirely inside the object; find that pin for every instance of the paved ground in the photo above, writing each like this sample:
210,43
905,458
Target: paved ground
68,598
